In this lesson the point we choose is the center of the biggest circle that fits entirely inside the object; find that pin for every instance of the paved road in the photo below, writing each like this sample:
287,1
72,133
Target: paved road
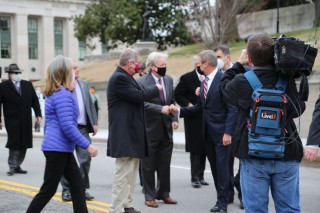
17,191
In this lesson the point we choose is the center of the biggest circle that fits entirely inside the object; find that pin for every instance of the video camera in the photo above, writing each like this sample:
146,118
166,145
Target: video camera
293,57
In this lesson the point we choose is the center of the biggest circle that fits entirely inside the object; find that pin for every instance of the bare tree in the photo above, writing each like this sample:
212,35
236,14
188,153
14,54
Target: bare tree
217,22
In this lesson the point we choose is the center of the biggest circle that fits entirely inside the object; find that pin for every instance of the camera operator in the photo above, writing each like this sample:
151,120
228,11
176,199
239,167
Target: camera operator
260,174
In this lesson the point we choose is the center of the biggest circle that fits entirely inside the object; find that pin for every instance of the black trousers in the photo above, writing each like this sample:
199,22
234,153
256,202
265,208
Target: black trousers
58,164
16,157
160,152
218,156
84,160
198,165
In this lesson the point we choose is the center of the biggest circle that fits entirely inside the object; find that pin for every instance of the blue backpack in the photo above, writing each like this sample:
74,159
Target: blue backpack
266,122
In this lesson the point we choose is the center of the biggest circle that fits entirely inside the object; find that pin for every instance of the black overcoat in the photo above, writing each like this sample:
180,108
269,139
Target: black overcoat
185,94
17,113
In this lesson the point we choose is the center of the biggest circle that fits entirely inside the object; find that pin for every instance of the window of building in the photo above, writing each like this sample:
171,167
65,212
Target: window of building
58,37
33,38
82,50
5,37
104,47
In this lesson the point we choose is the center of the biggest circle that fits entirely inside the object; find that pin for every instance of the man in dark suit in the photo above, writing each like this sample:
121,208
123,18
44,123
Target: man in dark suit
18,97
87,123
185,97
127,135
218,126
159,124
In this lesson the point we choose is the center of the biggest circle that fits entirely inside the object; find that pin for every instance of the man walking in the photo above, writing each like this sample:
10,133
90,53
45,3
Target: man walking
87,123
18,97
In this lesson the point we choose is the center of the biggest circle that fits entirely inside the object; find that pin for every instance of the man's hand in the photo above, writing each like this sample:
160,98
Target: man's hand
226,140
38,119
173,109
95,130
160,88
243,59
197,92
175,125
92,150
165,110
310,153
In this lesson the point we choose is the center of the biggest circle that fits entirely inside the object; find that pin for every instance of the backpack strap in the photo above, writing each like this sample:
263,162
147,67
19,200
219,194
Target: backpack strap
253,79
282,83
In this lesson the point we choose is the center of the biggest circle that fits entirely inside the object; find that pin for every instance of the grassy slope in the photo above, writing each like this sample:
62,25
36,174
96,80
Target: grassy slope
180,59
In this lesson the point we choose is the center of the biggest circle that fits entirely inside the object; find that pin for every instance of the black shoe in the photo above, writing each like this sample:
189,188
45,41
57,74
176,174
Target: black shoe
195,184
66,196
241,205
20,171
88,196
11,171
216,208
203,182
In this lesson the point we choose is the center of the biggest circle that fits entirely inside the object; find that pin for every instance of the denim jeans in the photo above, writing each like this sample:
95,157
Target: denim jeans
282,177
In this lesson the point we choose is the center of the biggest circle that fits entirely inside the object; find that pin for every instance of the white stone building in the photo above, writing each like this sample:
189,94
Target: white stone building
33,32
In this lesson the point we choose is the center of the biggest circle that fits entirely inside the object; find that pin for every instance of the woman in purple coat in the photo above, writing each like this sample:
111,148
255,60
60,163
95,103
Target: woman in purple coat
61,135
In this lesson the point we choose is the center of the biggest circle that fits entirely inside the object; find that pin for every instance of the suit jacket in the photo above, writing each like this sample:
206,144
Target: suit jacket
185,94
314,130
154,119
17,113
127,135
88,104
219,118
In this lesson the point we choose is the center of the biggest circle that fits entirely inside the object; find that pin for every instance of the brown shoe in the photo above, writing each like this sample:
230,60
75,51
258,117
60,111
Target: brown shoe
131,210
169,200
151,203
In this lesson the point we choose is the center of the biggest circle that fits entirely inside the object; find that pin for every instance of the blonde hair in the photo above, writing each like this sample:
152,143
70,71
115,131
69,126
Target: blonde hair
59,72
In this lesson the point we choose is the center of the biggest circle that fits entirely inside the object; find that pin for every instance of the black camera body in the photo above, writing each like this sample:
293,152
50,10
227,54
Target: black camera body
293,57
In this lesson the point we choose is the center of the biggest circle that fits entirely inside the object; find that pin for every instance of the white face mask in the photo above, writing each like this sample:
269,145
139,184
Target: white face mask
17,77
220,63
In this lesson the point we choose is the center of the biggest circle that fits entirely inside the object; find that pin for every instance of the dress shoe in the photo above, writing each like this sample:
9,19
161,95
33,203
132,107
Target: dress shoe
131,210
11,172
151,203
20,171
88,196
196,184
168,200
203,182
66,196
216,208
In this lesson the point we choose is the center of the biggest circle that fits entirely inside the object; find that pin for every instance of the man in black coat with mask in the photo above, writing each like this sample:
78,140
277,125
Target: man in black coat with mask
18,97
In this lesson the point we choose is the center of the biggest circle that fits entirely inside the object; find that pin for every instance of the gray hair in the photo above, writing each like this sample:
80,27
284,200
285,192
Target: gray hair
154,57
195,59
224,49
127,55
208,55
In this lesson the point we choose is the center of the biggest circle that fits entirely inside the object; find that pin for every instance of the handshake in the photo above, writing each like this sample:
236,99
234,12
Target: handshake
173,109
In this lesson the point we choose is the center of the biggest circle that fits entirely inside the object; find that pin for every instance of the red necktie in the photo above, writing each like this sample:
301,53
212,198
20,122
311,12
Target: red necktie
205,87
161,92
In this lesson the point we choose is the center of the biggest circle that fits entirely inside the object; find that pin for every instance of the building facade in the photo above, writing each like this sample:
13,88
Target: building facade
33,32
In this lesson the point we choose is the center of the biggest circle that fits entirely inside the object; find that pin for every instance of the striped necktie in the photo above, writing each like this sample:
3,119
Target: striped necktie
205,87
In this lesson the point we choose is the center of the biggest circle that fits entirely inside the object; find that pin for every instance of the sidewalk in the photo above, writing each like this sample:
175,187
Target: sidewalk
102,137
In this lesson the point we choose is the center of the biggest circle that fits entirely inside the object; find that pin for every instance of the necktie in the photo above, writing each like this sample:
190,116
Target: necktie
161,92
17,85
205,87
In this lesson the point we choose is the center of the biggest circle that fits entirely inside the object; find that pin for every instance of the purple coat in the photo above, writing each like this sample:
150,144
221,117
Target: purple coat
60,131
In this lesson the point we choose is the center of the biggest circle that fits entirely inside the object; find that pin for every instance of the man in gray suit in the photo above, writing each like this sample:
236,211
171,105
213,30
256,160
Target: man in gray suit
87,123
159,124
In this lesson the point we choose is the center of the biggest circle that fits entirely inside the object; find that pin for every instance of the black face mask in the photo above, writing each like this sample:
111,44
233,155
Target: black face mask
200,71
162,71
